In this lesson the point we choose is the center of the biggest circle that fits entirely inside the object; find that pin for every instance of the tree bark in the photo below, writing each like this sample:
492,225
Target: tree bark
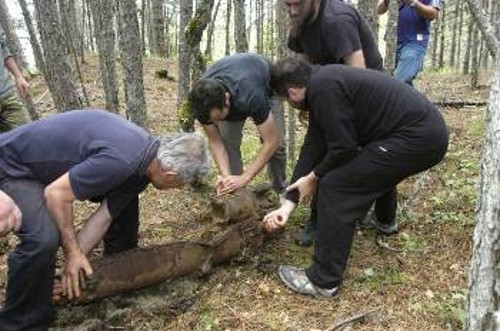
475,58
131,59
487,30
228,23
37,50
158,22
240,30
484,276
391,36
468,47
185,119
210,32
442,24
367,10
59,73
103,14
455,27
10,33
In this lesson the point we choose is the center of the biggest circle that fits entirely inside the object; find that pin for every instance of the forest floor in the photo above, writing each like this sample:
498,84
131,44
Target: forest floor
417,279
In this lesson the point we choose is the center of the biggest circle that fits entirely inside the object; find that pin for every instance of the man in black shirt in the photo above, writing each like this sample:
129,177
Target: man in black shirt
231,90
80,155
367,132
331,32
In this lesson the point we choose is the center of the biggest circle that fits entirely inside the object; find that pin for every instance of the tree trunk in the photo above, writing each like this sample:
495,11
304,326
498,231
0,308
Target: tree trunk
210,32
59,72
185,118
240,29
64,8
37,51
459,34
484,277
194,33
454,37
434,43
474,58
228,23
282,52
103,14
158,20
442,24
10,33
259,10
391,36
89,24
366,9
143,26
468,46
131,59
269,46
487,30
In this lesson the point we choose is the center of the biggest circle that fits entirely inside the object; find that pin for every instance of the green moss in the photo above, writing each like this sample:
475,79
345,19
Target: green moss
185,116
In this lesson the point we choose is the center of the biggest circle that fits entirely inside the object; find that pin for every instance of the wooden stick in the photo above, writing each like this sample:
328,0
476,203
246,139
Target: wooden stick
356,318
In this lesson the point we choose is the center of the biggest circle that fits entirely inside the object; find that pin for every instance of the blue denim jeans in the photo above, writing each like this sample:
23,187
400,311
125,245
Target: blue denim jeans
409,61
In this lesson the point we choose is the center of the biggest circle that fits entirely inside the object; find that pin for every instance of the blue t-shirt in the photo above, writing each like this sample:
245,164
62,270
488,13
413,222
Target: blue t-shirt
105,154
411,26
246,77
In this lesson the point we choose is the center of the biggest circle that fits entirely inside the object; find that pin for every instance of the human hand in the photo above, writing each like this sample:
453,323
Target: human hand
306,186
22,86
75,262
230,184
279,217
10,215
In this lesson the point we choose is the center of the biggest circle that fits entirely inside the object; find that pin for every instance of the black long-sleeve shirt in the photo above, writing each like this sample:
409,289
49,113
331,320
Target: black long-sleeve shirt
349,108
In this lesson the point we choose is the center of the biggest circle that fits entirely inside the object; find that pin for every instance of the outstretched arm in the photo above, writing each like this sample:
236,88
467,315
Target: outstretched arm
269,135
59,198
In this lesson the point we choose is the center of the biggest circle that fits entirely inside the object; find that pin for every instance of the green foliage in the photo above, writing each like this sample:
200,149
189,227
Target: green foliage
376,279
451,308
185,116
207,320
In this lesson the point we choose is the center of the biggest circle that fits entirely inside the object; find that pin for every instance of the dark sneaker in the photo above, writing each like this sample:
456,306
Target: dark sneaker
387,229
306,237
297,280
370,222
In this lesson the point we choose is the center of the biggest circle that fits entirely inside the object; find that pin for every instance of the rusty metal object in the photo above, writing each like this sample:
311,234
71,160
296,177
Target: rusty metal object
143,267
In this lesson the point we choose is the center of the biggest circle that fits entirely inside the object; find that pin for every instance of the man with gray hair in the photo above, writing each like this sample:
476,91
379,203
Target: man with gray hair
80,155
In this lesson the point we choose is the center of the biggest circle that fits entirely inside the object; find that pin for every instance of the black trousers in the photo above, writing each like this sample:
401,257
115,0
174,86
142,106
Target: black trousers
31,266
346,193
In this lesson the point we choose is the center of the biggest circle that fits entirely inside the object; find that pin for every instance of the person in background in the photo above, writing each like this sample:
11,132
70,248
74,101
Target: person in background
13,113
231,90
414,30
80,155
356,150
330,32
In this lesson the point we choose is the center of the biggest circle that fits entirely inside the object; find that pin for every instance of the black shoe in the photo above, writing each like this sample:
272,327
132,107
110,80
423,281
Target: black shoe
306,237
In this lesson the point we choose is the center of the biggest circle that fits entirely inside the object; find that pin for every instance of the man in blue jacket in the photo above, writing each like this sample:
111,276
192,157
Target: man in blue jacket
80,155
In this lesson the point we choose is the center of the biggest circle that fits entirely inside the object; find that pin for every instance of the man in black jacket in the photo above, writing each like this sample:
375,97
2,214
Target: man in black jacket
367,132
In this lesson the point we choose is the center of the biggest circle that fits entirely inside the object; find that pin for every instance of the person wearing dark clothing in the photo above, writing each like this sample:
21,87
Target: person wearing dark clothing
80,155
367,132
231,90
330,32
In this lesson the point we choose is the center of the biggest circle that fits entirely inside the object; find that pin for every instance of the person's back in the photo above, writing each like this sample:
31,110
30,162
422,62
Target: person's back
246,77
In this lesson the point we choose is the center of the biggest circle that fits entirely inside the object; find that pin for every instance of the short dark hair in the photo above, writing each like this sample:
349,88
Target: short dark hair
289,72
207,93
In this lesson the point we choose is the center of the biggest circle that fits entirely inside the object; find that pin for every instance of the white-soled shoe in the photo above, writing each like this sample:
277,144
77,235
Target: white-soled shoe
297,280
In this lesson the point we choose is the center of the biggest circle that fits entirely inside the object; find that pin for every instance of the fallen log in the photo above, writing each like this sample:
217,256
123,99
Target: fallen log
142,267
